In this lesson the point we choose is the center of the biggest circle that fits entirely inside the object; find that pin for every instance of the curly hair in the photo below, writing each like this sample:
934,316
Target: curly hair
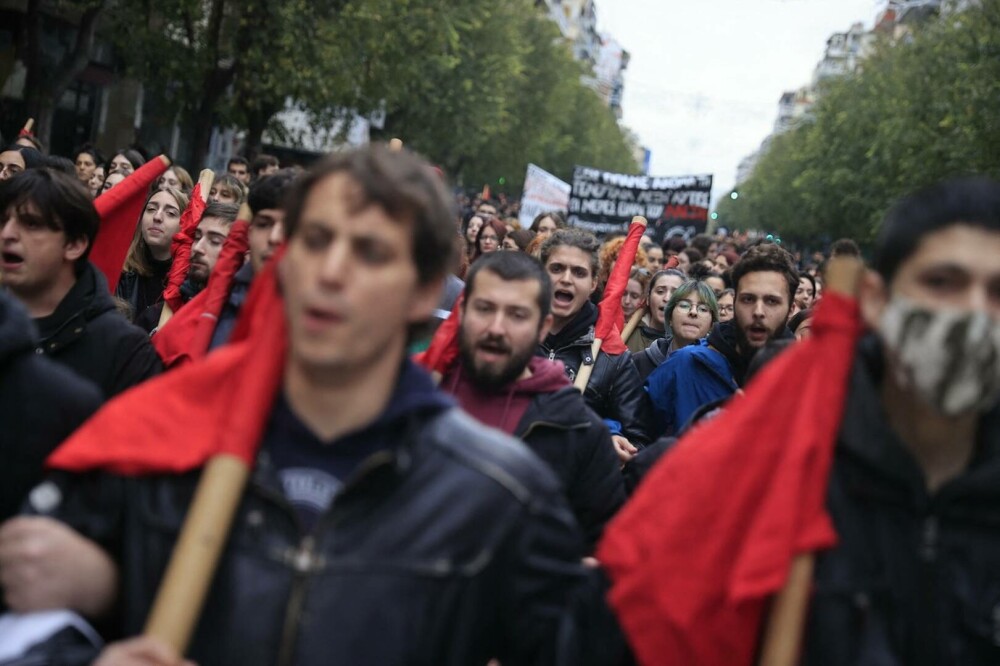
768,257
608,254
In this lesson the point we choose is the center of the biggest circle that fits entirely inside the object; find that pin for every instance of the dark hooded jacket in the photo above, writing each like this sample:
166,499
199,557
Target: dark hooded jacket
143,291
914,578
41,403
89,336
614,391
559,427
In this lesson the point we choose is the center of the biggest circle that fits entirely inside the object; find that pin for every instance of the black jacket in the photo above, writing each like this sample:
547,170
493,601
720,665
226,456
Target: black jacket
453,547
915,577
614,391
565,433
88,335
143,291
41,403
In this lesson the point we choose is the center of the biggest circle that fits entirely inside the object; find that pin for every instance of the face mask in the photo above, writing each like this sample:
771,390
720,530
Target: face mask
951,358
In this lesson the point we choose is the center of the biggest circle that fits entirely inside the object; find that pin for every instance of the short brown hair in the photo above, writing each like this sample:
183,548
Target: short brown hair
403,185
767,257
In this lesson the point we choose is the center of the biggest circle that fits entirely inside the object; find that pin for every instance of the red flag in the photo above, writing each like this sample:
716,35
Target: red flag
220,404
119,209
180,249
188,334
709,536
610,319
442,352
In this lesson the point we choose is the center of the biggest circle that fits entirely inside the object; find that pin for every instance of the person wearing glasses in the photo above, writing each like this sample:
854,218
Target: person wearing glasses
490,237
690,314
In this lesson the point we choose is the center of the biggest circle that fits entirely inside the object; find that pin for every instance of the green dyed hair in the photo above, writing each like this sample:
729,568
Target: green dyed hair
705,293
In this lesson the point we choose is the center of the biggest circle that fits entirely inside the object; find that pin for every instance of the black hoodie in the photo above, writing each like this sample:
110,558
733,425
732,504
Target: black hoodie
41,403
89,336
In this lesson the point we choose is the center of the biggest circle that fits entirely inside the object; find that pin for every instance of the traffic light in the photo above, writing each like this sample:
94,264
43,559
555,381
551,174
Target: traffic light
715,215
502,180
734,195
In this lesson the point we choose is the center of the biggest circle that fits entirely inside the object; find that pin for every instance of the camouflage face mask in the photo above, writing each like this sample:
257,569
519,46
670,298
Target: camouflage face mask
951,358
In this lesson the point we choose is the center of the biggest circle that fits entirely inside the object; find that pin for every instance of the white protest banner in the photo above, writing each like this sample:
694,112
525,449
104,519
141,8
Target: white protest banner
543,193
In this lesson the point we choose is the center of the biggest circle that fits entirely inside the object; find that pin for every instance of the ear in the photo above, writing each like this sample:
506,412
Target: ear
545,327
873,296
74,249
425,300
593,284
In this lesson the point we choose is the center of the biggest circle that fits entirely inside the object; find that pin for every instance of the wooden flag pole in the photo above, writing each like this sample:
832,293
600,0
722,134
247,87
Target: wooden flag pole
205,180
785,624
28,126
633,323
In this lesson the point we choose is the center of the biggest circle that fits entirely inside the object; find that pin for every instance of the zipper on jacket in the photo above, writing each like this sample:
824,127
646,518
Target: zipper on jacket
303,561
929,541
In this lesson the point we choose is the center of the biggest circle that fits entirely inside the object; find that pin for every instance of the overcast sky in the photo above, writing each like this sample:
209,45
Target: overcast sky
705,76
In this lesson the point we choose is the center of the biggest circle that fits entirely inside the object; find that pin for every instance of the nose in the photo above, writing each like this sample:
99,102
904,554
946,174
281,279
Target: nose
198,247
758,310
158,215
277,235
496,324
7,228
335,264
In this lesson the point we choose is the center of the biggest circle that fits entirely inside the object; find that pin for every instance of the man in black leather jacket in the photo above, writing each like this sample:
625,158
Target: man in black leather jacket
914,492
615,391
381,525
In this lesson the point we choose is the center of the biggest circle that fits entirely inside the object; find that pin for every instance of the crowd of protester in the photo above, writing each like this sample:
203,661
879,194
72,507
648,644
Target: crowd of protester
392,521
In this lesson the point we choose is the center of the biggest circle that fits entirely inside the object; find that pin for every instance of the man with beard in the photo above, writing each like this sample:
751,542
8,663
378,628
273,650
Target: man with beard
765,280
502,383
614,391
209,237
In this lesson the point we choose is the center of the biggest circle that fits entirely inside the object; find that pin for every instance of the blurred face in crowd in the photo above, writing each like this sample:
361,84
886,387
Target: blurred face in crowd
487,209
716,283
472,230
85,166
509,243
546,227
240,171
489,241
662,290
683,263
726,307
632,299
160,221
654,258
350,282
265,236
762,307
11,164
691,320
96,182
721,264
120,164
169,180
36,259
209,238
111,180
500,329
573,282
222,195
804,331
804,295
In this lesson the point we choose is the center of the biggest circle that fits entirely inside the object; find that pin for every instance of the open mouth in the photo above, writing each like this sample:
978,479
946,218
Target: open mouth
11,259
320,317
562,297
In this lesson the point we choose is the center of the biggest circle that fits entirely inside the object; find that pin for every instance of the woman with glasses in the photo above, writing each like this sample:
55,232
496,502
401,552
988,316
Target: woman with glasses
691,312
727,304
490,237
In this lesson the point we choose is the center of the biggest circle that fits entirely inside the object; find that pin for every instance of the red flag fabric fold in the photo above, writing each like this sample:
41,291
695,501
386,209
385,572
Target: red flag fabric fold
442,353
119,209
710,535
188,334
610,318
180,249
220,404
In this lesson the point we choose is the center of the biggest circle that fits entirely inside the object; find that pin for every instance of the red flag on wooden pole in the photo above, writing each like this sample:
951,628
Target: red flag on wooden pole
710,535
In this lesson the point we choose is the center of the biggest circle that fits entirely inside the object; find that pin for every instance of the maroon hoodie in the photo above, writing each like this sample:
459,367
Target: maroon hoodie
503,409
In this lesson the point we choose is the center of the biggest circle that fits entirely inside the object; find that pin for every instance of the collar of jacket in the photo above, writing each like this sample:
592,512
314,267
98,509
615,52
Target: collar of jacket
578,332
723,338
563,409
414,400
87,299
